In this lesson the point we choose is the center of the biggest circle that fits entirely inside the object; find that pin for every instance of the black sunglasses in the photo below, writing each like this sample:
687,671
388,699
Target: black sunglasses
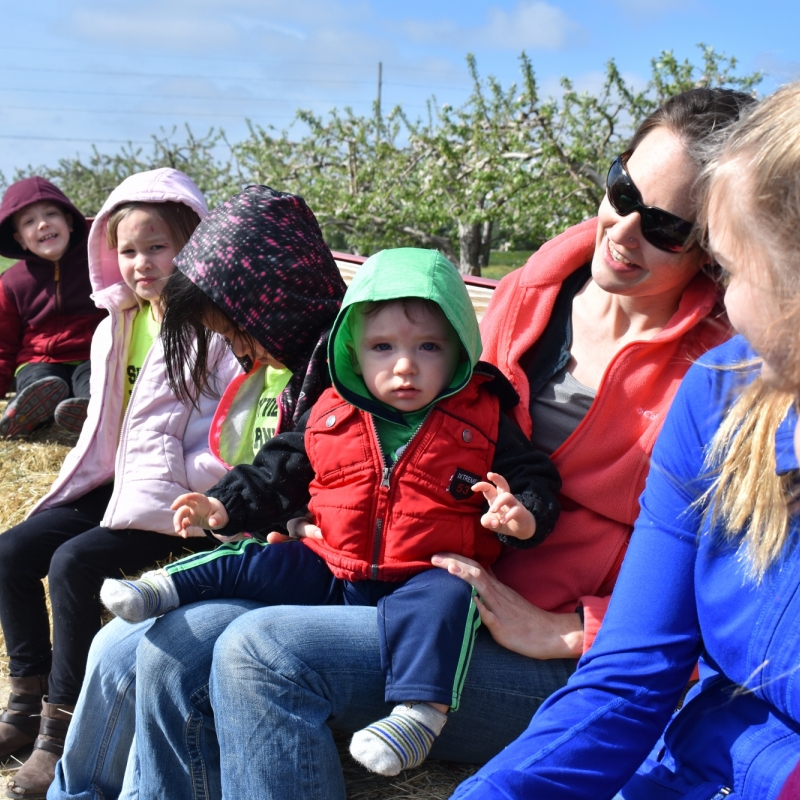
662,229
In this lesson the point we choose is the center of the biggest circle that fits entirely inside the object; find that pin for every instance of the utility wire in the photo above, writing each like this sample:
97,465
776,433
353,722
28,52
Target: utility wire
87,141
204,59
259,78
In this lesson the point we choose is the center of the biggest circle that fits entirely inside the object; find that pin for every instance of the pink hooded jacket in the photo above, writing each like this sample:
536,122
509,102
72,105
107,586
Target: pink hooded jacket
161,450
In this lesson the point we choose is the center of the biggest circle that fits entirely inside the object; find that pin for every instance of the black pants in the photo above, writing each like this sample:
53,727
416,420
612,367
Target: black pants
75,375
67,545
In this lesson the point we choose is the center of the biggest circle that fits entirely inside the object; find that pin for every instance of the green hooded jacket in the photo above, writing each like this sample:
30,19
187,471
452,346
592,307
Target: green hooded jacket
393,275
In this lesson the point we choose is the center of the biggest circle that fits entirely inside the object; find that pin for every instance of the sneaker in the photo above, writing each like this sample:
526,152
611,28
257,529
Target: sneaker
71,414
32,407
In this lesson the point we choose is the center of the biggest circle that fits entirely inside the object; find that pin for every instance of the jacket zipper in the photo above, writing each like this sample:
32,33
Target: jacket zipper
386,484
57,280
122,445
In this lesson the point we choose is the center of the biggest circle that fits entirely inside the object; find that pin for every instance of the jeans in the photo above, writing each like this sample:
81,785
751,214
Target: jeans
276,678
101,733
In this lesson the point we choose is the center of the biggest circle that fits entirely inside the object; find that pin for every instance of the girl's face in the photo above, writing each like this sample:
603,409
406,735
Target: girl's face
145,252
750,298
624,262
243,347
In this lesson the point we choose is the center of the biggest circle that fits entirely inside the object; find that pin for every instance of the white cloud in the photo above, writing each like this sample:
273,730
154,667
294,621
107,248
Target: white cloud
530,25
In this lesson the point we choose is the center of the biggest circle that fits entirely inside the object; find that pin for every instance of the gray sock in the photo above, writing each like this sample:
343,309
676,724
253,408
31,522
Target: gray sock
151,596
400,741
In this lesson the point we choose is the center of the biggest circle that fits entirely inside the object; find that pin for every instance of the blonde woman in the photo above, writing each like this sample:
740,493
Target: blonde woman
713,570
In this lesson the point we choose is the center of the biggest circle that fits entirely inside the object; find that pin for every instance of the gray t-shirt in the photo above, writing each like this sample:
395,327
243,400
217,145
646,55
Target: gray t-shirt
558,409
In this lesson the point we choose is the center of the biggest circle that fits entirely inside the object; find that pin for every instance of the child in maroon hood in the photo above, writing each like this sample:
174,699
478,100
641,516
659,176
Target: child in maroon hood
47,317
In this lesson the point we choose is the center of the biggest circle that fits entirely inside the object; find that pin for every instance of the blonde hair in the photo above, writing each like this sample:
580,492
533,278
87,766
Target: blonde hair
179,219
751,503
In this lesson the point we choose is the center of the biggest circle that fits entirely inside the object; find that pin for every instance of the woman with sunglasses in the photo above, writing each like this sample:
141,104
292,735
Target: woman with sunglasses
713,569
596,333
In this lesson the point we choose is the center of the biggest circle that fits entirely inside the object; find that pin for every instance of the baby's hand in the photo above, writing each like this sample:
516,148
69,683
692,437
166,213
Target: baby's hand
506,514
299,528
303,528
197,510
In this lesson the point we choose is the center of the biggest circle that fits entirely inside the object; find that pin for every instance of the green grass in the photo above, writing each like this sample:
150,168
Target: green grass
5,263
501,263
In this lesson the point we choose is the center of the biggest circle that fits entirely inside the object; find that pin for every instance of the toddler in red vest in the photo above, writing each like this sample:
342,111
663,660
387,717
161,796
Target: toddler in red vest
396,463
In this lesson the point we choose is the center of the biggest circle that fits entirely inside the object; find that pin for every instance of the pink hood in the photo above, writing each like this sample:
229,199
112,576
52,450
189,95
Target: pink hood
161,449
156,186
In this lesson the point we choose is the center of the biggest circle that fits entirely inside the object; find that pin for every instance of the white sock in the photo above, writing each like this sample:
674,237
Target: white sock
151,596
400,741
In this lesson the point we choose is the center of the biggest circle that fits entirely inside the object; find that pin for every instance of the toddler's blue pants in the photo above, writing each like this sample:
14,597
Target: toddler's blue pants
427,623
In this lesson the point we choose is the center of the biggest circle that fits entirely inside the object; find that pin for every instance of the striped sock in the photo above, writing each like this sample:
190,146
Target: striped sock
400,741
151,596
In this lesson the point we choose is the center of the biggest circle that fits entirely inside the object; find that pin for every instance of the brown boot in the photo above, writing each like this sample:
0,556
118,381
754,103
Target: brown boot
19,723
33,779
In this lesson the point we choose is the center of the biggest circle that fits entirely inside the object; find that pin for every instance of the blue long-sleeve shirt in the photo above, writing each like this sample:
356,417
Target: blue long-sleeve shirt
683,592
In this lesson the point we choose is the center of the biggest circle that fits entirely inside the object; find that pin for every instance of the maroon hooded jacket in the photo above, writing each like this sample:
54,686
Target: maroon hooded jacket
46,313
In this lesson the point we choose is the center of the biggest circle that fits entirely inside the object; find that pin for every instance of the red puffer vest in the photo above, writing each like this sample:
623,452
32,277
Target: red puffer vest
383,524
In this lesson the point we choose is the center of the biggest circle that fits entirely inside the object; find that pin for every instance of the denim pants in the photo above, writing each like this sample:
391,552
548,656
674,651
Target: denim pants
234,704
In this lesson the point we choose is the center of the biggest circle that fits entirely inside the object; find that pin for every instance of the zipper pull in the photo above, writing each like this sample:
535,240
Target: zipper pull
387,471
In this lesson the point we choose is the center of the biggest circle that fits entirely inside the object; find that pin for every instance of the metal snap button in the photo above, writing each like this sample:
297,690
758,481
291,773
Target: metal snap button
330,421
466,435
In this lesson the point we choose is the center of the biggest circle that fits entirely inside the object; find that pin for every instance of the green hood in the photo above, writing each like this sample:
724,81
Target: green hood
391,275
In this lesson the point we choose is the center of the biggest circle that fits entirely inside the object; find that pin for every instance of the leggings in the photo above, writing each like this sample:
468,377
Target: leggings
76,376
67,545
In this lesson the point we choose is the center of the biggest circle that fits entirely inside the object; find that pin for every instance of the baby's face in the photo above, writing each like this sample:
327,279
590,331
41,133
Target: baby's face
406,362
43,228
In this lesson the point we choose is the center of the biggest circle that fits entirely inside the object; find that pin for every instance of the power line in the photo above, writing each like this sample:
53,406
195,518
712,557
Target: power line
347,81
256,98
123,111
87,141
204,58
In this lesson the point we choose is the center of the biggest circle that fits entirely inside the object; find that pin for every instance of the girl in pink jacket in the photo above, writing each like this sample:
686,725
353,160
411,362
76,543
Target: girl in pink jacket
108,511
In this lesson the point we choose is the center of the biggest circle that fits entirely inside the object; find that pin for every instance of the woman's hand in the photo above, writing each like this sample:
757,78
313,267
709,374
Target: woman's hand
197,510
299,528
514,622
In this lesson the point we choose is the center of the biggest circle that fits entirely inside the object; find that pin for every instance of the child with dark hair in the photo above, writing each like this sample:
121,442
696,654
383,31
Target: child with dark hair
47,316
397,463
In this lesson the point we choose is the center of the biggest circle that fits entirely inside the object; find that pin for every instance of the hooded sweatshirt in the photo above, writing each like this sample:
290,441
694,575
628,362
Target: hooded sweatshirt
261,258
381,520
605,461
389,275
159,449
46,313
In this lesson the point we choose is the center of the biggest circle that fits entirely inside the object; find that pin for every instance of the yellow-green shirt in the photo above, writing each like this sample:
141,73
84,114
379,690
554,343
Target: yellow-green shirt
145,332
266,414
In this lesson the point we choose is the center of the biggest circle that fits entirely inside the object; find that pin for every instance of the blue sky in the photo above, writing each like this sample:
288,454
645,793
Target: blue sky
73,73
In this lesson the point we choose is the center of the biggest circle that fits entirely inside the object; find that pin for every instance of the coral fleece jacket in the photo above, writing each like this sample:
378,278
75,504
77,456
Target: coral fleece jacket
46,312
604,463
